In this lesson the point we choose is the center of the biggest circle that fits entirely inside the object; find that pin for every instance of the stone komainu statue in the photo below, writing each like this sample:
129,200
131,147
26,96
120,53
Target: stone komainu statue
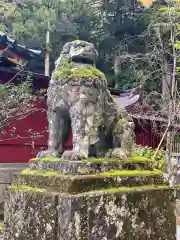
78,99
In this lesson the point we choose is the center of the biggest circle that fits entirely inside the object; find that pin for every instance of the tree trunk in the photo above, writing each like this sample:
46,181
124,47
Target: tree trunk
166,81
117,69
171,117
47,59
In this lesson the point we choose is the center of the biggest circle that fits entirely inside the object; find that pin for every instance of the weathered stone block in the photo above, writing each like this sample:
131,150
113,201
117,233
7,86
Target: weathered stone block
118,215
72,218
72,184
30,213
7,170
91,165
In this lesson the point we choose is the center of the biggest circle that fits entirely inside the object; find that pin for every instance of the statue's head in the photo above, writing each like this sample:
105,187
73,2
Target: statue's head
80,51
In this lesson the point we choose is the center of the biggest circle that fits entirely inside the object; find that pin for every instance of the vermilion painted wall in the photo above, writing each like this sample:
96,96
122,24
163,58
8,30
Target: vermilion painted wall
14,149
146,135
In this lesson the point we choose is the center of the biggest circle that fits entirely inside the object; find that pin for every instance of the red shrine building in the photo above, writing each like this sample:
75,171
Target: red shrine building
31,133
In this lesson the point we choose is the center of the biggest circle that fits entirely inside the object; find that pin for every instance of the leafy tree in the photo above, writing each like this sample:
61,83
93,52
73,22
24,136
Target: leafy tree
39,21
6,11
49,24
125,21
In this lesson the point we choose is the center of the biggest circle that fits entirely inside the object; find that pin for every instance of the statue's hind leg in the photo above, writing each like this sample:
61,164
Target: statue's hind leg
123,138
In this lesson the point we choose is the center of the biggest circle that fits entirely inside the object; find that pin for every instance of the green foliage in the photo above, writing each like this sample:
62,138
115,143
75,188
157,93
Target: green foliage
104,24
159,162
177,44
18,93
69,19
6,13
65,20
15,102
122,173
126,80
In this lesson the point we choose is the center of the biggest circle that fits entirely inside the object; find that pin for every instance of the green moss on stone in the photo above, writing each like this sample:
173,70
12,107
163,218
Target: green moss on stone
63,73
135,188
87,71
120,125
134,158
39,172
131,173
25,188
99,160
131,189
105,174
46,159
138,159
130,160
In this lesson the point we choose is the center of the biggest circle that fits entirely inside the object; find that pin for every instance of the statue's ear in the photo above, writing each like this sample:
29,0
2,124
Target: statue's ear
66,48
96,52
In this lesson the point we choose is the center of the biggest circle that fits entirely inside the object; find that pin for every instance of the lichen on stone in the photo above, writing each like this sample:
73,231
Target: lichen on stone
27,188
77,225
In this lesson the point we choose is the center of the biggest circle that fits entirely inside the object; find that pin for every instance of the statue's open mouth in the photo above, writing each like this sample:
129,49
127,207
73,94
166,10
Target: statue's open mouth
82,59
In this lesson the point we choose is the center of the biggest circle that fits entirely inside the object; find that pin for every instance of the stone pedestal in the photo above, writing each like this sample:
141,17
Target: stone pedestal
6,174
95,199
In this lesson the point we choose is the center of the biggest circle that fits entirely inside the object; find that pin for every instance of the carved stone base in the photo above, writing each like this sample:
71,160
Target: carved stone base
90,200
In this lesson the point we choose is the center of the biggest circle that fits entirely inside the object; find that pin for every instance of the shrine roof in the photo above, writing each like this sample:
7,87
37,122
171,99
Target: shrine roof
13,53
7,41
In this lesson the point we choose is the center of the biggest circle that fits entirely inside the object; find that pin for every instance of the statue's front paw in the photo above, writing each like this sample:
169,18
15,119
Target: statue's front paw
73,156
46,153
116,153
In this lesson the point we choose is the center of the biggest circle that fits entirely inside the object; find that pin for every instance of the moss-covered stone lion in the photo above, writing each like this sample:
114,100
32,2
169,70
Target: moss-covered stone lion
78,99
